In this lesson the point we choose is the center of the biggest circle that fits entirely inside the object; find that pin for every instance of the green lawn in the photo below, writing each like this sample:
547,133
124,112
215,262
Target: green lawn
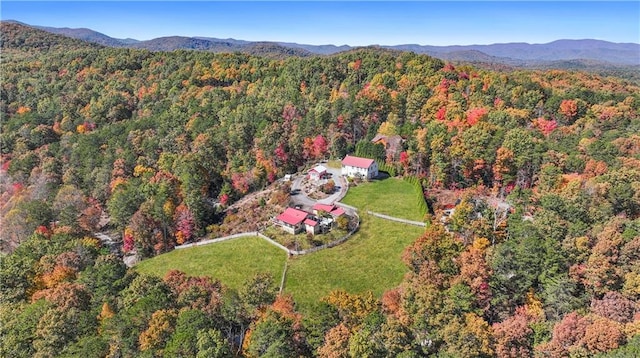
232,262
337,164
391,196
368,261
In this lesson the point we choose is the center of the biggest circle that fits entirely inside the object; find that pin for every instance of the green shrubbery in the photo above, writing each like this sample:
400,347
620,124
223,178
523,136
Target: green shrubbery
419,193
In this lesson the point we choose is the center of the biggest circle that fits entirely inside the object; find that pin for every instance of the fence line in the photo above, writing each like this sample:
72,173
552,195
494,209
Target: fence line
347,206
273,242
405,221
284,275
331,244
220,239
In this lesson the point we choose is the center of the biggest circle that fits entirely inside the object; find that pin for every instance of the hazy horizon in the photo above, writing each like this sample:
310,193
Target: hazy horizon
339,23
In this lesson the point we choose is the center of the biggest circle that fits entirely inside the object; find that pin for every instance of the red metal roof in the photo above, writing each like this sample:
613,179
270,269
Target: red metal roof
292,216
337,212
357,162
323,207
310,222
331,209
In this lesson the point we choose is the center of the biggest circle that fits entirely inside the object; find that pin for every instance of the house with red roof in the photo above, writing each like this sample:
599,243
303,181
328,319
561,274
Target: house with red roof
292,220
333,210
359,167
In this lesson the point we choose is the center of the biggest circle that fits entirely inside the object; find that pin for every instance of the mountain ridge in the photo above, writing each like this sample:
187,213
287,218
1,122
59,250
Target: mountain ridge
519,54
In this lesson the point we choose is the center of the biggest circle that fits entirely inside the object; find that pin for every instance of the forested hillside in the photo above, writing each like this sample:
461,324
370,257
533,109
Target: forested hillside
162,142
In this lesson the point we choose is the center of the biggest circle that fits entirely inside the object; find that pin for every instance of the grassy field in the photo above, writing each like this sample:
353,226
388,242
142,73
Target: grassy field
337,164
391,196
369,261
232,262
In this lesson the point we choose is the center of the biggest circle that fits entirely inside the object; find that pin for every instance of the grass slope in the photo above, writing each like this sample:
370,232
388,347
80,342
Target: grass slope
392,196
369,261
232,262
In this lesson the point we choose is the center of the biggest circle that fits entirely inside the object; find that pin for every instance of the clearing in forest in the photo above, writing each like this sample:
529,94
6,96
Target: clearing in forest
369,261
391,196
232,262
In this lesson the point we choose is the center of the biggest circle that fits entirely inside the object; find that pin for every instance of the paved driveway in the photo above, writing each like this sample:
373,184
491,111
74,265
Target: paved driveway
300,198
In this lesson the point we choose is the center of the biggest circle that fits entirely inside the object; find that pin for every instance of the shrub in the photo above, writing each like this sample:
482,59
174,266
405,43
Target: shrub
343,223
329,187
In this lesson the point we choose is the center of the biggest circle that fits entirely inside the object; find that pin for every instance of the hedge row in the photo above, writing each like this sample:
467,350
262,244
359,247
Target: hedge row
419,192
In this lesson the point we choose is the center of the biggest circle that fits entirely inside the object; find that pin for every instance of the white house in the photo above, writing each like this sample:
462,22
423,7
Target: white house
292,220
359,167
317,173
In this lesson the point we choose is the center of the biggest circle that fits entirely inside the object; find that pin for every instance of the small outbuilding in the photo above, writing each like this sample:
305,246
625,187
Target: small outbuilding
318,172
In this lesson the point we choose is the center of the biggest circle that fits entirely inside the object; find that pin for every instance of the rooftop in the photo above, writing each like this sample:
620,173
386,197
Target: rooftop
292,216
331,209
318,169
310,222
323,207
337,211
357,162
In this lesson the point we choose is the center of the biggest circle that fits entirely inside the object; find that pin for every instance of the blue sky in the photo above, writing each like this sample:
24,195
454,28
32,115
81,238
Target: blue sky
355,23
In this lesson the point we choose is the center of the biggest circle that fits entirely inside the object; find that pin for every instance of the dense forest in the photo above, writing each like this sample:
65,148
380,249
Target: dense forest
162,142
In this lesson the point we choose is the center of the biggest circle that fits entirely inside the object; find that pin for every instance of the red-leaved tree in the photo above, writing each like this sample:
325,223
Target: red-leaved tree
319,146
513,336
545,126
185,224
475,114
567,336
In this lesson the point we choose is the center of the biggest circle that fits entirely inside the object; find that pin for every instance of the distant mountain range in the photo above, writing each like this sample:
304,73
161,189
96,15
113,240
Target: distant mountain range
558,54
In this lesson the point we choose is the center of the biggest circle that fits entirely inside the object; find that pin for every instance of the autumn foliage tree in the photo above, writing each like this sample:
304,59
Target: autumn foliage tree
185,224
336,343
566,337
513,336
201,293
352,308
320,147
436,246
165,143
569,109
603,335
475,272
159,330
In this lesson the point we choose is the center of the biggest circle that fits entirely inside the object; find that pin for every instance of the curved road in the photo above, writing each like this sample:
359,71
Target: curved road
299,197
